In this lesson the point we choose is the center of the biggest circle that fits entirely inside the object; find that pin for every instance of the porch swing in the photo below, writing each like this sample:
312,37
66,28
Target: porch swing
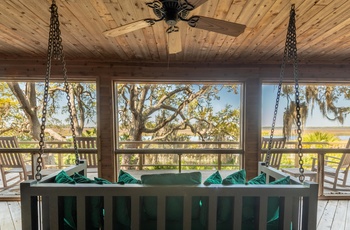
44,203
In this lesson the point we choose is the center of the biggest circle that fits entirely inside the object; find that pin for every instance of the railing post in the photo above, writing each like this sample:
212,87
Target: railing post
320,173
179,162
219,158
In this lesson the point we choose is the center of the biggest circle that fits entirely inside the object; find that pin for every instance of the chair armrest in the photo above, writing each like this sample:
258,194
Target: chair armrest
332,159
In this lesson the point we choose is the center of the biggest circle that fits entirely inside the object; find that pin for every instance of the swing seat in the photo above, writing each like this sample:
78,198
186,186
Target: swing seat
297,203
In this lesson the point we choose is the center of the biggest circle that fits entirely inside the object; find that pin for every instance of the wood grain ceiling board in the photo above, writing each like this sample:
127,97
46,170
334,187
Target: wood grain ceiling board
323,31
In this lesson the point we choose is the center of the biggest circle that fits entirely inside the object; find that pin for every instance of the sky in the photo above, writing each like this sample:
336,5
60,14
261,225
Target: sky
269,94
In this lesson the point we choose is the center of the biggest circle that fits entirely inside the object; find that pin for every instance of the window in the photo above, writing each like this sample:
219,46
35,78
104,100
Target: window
21,111
177,118
324,110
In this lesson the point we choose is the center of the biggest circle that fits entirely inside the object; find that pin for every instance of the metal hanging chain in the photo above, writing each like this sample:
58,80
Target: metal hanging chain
290,54
55,50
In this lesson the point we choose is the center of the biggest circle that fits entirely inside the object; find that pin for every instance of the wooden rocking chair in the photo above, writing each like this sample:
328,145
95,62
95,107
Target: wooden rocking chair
275,158
12,162
336,169
91,159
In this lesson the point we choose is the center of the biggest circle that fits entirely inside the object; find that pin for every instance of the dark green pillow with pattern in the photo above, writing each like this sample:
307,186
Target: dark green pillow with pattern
235,178
215,178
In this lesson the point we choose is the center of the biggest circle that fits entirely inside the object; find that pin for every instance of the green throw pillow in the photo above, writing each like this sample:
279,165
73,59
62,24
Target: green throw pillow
69,202
235,178
174,205
284,180
261,179
63,178
215,178
126,178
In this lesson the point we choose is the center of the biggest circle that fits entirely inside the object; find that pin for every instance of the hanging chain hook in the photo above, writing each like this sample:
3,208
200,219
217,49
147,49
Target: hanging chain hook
55,50
290,53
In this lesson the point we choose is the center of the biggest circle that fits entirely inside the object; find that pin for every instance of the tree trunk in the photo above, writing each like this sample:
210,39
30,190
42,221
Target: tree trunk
28,103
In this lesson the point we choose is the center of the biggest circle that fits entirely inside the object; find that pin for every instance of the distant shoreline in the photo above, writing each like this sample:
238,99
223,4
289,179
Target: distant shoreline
337,131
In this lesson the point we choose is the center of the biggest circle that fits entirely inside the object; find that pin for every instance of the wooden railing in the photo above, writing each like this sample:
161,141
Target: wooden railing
181,149
328,148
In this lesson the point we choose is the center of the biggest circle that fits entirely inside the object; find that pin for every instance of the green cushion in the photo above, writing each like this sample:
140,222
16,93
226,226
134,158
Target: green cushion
94,217
172,178
215,178
174,205
122,204
273,202
69,203
235,178
224,210
249,203
225,203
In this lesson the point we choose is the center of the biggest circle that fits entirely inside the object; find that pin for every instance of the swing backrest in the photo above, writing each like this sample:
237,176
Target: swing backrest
275,158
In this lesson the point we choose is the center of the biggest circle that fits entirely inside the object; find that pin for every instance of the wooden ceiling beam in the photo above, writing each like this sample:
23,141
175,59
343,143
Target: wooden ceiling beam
206,72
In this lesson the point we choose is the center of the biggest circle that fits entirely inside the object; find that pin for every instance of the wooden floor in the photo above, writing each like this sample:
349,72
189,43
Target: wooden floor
331,214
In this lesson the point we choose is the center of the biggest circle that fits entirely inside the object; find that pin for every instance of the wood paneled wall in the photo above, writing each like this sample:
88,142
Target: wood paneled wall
252,126
105,129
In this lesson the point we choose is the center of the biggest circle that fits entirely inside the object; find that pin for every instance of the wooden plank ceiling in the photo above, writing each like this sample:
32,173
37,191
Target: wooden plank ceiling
323,31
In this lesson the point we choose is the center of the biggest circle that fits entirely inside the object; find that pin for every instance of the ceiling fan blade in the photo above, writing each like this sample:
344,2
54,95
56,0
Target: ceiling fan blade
174,42
197,3
217,25
127,28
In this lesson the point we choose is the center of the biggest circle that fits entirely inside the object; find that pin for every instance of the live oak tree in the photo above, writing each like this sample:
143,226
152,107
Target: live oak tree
175,112
26,104
325,97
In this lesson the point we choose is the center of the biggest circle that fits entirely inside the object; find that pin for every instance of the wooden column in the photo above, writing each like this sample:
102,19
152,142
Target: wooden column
252,126
105,128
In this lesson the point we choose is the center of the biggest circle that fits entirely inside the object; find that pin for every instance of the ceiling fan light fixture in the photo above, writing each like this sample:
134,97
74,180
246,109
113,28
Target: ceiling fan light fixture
170,10
173,11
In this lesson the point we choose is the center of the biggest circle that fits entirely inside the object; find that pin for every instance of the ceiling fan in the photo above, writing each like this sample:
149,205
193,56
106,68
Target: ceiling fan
173,11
